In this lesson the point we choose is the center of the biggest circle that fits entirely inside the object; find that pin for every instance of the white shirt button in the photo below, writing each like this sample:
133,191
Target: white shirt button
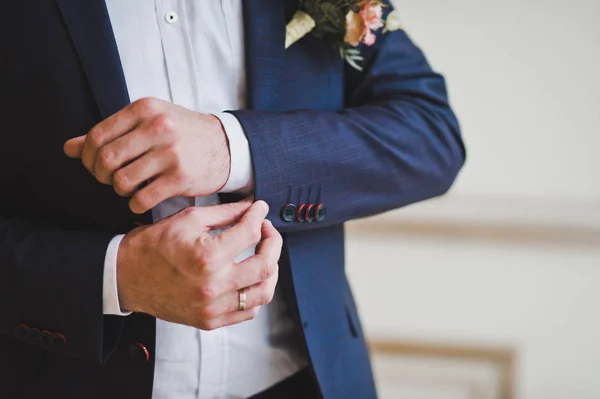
171,17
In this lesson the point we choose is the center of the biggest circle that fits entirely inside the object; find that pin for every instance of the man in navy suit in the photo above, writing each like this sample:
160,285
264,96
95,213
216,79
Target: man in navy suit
129,266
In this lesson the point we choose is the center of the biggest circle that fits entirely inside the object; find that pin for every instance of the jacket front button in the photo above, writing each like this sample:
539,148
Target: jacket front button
289,213
139,351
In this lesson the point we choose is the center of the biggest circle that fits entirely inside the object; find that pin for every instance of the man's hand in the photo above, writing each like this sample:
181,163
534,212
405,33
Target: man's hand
176,271
175,150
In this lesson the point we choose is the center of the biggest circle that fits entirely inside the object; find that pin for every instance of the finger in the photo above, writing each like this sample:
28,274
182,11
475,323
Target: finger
245,233
121,151
259,267
270,244
253,270
74,147
106,131
213,217
229,319
153,194
224,215
127,180
256,295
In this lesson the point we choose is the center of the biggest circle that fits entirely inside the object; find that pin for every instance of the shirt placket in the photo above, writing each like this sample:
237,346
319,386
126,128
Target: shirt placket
179,61
178,56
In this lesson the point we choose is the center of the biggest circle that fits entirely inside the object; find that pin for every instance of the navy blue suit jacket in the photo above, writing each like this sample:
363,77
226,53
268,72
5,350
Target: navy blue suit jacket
360,143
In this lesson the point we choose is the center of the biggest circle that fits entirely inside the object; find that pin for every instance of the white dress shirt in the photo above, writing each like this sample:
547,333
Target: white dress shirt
191,53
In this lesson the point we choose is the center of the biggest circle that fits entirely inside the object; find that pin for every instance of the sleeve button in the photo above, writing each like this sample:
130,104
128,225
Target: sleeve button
46,338
139,352
300,213
59,339
310,214
289,213
21,331
320,212
34,335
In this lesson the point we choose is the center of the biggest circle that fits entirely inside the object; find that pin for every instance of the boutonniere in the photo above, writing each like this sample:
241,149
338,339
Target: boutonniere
343,23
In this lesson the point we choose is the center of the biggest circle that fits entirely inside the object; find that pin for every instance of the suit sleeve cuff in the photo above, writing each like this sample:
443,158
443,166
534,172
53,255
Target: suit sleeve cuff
110,299
241,175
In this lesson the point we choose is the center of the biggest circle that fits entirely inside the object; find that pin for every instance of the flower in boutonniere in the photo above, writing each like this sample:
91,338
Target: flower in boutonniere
345,24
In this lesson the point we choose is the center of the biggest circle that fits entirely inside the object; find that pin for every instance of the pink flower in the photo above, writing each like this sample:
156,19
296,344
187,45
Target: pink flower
371,13
359,26
369,38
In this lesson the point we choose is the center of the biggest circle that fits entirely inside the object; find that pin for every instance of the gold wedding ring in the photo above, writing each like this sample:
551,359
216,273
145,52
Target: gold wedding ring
242,300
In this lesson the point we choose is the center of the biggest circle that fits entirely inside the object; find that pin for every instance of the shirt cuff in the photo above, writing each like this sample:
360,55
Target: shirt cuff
110,298
241,175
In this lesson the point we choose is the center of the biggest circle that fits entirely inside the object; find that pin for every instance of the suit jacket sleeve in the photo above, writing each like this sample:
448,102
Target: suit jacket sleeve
51,281
396,143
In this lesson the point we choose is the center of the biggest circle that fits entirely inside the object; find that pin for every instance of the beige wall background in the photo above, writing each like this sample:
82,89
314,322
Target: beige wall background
511,257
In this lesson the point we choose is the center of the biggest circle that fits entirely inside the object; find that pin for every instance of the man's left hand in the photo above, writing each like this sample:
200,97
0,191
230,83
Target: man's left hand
175,150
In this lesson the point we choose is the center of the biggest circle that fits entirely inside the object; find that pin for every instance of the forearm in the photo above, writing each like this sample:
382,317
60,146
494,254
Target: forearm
396,143
349,162
52,280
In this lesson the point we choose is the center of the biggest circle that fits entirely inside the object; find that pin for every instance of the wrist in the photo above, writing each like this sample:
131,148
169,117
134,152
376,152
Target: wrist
223,151
126,260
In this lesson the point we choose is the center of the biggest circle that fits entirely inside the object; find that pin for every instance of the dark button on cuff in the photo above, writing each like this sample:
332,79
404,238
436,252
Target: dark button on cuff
46,338
34,335
139,352
59,340
320,212
289,213
310,216
21,331
300,213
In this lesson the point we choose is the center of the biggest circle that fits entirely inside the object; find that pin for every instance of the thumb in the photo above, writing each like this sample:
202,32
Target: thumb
74,147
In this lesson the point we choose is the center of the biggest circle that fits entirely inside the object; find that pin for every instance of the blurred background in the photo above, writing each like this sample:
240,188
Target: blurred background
493,291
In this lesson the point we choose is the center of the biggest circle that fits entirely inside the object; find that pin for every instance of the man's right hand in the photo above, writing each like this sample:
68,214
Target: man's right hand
176,271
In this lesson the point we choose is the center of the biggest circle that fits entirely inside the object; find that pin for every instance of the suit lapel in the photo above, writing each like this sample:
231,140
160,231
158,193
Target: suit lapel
91,32
264,27
89,25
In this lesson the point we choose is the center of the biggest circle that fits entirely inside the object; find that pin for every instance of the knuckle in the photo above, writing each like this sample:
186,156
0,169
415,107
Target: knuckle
172,151
147,105
121,183
163,123
203,255
95,138
143,199
266,271
181,177
106,159
266,296
208,292
252,233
